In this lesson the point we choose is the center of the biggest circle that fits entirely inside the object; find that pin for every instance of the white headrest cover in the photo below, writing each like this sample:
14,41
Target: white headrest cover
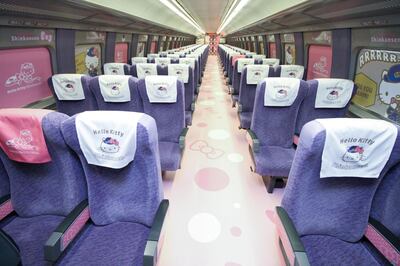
114,69
188,61
115,88
179,70
145,69
242,62
258,56
256,73
356,147
175,56
163,61
68,87
108,138
292,71
333,93
161,89
280,92
273,62
137,60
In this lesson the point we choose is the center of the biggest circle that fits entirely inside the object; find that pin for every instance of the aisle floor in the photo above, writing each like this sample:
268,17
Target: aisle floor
220,212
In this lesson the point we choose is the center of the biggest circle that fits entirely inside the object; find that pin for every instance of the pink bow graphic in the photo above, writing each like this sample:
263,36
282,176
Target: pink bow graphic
203,147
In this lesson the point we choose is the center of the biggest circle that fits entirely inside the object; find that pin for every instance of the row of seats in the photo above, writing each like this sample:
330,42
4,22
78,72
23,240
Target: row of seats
161,97
81,190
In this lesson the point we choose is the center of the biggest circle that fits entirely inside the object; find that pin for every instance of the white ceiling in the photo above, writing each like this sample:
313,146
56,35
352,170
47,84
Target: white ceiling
208,13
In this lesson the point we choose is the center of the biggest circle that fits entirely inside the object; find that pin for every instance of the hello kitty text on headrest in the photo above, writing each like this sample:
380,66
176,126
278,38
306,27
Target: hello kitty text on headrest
179,70
68,87
356,147
273,62
162,61
280,92
21,135
137,60
242,62
333,93
161,89
292,71
256,73
108,138
188,61
114,69
145,69
115,88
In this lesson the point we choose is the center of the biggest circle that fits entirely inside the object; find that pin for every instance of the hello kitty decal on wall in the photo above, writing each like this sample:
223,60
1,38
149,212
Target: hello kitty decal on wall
389,92
25,76
92,61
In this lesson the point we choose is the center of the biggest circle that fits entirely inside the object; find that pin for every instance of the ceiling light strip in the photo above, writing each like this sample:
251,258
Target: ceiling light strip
233,14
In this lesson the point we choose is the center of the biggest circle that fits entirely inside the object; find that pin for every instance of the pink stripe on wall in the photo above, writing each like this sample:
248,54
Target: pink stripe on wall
5,209
75,228
383,245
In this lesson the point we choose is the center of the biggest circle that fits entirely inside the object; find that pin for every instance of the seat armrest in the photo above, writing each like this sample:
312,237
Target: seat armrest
6,207
384,240
182,138
153,244
240,107
193,106
9,252
289,240
253,140
66,232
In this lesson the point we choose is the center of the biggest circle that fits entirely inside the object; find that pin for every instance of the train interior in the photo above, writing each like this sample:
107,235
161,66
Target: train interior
200,133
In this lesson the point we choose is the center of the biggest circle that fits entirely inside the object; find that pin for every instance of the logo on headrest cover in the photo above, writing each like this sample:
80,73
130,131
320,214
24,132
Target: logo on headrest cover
333,95
22,143
109,145
354,153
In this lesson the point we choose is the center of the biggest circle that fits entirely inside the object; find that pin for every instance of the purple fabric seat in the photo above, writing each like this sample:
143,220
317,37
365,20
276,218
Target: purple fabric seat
274,127
170,119
236,78
4,183
43,194
74,107
122,202
247,93
308,112
331,214
135,105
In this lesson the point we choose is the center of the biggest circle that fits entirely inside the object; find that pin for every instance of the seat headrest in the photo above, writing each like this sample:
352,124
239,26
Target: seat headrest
258,56
236,57
188,61
256,73
174,56
68,87
152,56
280,92
146,69
161,89
273,62
21,135
162,61
136,60
356,147
292,71
114,69
333,93
108,138
115,88
179,70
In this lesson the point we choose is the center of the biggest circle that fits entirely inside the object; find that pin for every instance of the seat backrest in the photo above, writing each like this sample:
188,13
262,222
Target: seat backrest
274,125
326,98
137,60
4,182
237,72
162,61
141,70
71,93
338,206
194,64
185,74
170,115
123,94
247,90
46,178
119,153
116,69
290,71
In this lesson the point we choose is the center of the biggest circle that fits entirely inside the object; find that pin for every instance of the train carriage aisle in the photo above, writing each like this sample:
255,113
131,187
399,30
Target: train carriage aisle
220,213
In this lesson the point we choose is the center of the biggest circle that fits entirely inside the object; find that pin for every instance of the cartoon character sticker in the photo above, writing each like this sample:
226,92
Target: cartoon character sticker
290,54
389,92
92,61
22,142
109,145
354,154
88,59
24,77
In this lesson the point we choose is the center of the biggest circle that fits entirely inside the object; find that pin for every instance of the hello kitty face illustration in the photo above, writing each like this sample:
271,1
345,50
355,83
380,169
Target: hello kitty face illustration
257,74
69,88
333,95
114,71
147,72
162,91
92,59
389,89
281,94
115,90
109,145
27,69
354,154
292,75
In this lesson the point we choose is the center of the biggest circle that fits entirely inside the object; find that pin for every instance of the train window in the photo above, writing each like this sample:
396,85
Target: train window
140,49
88,59
290,53
319,61
121,52
272,50
24,76
378,80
